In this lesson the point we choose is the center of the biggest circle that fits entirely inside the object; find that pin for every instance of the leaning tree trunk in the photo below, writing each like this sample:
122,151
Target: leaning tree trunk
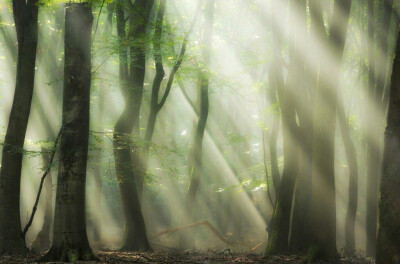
323,190
70,242
197,149
26,23
42,241
131,81
388,245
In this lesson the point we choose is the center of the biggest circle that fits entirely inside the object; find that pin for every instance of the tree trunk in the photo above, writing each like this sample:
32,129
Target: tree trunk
197,149
26,23
70,242
42,241
388,246
276,82
372,147
131,81
323,189
351,156
374,123
299,239
281,222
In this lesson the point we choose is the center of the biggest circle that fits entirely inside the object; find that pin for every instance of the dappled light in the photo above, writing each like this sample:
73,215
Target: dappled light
206,130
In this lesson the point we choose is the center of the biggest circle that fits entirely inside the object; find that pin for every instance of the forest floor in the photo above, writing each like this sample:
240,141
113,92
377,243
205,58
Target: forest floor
117,257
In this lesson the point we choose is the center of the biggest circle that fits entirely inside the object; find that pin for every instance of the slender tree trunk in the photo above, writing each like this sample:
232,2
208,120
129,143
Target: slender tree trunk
273,139
275,79
131,81
26,23
160,73
97,164
388,246
323,189
197,149
70,242
351,156
373,151
97,174
42,241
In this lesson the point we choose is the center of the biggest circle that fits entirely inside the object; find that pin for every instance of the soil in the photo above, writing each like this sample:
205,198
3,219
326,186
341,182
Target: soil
117,257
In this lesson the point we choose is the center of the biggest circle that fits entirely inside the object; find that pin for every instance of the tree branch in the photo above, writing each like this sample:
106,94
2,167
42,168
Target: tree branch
28,225
180,58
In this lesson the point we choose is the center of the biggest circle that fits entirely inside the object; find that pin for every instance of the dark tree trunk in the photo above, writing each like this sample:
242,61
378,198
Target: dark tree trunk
197,149
299,239
388,246
132,72
26,23
70,242
281,221
42,241
155,107
377,67
351,156
323,209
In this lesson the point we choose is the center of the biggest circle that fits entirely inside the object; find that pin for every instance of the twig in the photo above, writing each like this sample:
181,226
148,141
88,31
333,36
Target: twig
143,256
28,225
254,248
225,250
98,18
206,223
179,61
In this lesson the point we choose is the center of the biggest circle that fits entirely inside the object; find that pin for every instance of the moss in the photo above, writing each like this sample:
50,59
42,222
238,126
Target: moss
72,256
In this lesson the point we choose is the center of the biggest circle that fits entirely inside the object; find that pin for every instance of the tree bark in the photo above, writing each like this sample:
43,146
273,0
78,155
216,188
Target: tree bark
299,238
388,246
132,72
377,67
281,222
70,242
26,23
